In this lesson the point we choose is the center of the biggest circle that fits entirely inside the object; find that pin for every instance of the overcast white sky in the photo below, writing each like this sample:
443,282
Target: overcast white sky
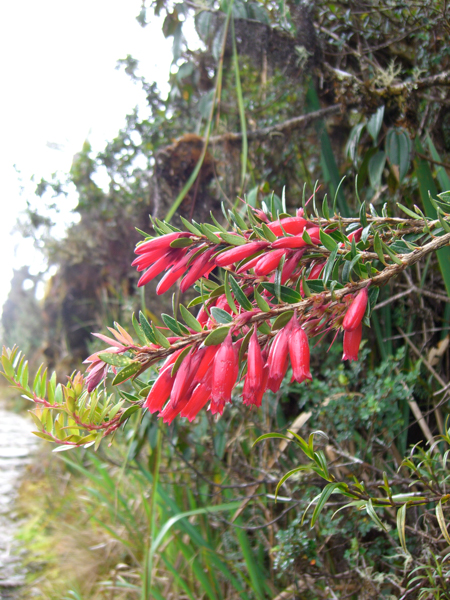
60,86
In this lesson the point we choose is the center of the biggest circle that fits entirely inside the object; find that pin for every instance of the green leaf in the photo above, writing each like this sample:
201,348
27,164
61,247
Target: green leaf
398,150
189,319
286,294
269,436
239,294
116,360
406,210
401,518
441,521
173,325
220,315
217,336
262,304
182,242
161,339
44,436
190,227
374,123
328,269
234,240
373,515
126,373
268,233
282,320
146,328
379,248
288,475
139,331
127,413
229,297
376,166
327,241
323,498
217,224
212,237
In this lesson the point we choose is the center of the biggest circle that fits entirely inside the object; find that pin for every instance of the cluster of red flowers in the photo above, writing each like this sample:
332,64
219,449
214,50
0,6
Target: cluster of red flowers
197,256
190,379
209,374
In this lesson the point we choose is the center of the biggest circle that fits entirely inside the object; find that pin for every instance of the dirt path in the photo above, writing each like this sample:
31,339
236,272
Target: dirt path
16,444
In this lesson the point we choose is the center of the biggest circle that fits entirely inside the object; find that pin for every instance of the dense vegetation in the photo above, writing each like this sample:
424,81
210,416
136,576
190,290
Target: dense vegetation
270,97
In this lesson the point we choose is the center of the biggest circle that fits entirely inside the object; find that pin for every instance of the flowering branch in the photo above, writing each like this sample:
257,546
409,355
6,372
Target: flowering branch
266,285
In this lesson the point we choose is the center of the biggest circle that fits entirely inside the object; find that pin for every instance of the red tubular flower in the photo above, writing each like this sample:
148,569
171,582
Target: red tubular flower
255,366
239,253
225,372
199,397
299,352
277,362
170,411
185,376
169,279
293,225
163,241
202,316
352,341
297,241
161,389
356,235
97,373
200,266
159,266
145,260
355,312
206,362
268,262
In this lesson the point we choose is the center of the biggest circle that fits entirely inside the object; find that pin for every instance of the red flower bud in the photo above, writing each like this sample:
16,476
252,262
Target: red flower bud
355,235
185,376
293,225
297,241
158,267
255,366
268,262
200,266
161,389
199,398
355,312
277,362
225,372
299,352
352,341
239,253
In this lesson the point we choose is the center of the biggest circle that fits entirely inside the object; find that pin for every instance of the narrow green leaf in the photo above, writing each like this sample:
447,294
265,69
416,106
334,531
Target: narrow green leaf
161,339
327,241
323,498
234,240
229,297
116,360
146,328
262,304
286,294
212,237
190,227
220,315
282,320
328,269
217,336
441,521
379,249
241,298
189,319
126,373
268,233
401,519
